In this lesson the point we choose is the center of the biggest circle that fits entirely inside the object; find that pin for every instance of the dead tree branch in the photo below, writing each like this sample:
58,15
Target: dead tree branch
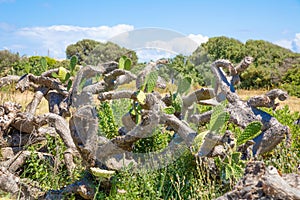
261,182
242,113
37,98
8,80
268,99
51,83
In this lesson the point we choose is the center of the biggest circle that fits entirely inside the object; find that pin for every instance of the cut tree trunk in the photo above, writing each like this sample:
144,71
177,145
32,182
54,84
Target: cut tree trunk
261,182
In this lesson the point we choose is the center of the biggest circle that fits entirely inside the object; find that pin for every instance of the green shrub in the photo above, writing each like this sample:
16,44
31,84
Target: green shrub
107,124
50,171
158,140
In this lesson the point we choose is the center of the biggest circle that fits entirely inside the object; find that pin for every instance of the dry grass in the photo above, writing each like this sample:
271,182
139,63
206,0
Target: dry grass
292,102
26,97
23,99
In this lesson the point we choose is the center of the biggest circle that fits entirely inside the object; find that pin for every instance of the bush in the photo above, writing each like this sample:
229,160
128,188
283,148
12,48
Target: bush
7,61
35,65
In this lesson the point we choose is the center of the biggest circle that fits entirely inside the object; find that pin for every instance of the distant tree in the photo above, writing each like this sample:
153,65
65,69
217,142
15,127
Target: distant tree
199,56
94,52
269,68
267,54
109,51
291,81
33,64
82,49
7,61
225,48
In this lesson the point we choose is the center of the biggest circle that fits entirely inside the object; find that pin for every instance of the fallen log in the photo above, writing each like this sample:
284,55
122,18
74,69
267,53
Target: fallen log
262,182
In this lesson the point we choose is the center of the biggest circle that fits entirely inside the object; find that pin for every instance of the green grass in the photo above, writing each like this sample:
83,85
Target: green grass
186,178
192,178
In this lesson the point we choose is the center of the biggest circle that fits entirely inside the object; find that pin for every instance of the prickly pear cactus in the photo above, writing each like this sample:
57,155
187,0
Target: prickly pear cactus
250,132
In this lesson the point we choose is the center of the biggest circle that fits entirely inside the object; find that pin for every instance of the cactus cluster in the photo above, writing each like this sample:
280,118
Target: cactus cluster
252,130
63,75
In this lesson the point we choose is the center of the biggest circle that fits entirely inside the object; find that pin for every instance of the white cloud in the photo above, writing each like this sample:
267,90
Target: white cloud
155,43
38,40
55,39
284,43
148,54
6,27
199,39
179,45
296,43
293,44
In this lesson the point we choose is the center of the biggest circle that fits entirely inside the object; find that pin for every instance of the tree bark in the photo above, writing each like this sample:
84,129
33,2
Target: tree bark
8,80
261,182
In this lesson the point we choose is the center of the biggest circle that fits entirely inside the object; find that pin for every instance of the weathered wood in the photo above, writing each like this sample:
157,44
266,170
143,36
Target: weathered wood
276,187
20,139
268,99
196,97
112,81
261,182
200,118
37,98
18,188
84,188
16,162
81,133
57,104
61,127
124,94
51,83
8,80
8,112
49,72
8,181
242,113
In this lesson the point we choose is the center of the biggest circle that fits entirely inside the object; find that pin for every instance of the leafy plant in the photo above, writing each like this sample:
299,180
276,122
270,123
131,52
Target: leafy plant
231,168
184,85
251,131
159,139
151,81
63,75
44,64
124,63
169,110
218,119
49,171
176,102
107,124
141,97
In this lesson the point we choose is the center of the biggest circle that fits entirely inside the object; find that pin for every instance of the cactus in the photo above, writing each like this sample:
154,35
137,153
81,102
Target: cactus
102,173
250,132
62,74
141,97
44,64
184,85
218,118
124,63
27,68
169,110
73,62
198,141
176,101
151,80
65,76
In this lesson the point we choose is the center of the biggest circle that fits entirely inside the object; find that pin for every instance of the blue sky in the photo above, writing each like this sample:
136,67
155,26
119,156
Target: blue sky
36,26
